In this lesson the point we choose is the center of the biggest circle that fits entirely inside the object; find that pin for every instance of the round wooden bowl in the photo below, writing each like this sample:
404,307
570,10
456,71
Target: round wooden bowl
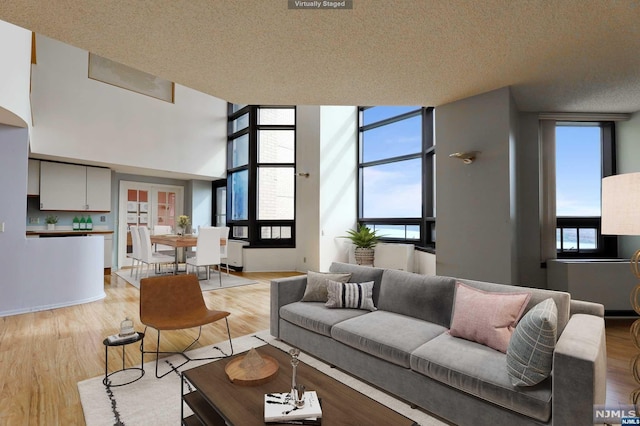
242,377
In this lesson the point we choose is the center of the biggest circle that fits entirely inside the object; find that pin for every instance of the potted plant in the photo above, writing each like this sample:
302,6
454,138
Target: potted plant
365,240
51,221
183,223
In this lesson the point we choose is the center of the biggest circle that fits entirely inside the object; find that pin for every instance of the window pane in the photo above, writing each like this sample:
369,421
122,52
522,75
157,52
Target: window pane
277,116
241,231
240,195
588,238
578,171
411,232
237,107
375,114
275,193
285,232
569,239
240,123
392,190
276,146
392,140
558,239
240,155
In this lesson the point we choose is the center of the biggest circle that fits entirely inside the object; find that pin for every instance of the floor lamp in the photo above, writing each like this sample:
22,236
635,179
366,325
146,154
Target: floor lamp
621,216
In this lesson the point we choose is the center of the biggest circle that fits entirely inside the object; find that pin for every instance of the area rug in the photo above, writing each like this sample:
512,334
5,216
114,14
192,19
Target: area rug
151,401
213,283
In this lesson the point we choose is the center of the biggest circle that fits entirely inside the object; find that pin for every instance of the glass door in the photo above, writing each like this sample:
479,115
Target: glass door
145,204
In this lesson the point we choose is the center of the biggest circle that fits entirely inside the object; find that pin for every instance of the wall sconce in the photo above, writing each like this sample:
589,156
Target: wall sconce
467,157
302,174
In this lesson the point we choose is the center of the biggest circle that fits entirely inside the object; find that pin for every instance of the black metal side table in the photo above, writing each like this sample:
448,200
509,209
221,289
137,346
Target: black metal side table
107,344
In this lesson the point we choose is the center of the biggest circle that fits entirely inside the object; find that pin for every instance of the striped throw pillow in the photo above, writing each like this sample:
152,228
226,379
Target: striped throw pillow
350,295
530,351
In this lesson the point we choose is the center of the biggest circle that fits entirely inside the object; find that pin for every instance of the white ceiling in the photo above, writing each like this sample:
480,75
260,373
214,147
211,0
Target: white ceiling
561,56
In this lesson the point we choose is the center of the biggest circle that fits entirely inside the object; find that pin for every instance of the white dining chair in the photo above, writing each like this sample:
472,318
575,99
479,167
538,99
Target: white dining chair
135,254
161,248
224,235
207,251
147,256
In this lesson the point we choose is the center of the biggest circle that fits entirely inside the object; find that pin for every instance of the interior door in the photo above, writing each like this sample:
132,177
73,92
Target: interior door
145,204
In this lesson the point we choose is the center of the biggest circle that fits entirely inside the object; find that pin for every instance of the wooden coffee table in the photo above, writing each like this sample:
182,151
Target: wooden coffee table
217,401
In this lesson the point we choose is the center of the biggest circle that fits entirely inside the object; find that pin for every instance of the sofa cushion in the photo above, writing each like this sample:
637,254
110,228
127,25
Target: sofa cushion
361,274
562,299
386,335
429,298
480,371
350,295
486,317
316,289
530,351
315,316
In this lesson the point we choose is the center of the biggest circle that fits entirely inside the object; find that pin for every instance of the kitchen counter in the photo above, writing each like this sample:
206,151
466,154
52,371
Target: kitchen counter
67,232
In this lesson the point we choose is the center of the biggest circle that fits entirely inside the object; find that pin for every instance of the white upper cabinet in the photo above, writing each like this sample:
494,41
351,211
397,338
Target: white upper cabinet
98,189
75,188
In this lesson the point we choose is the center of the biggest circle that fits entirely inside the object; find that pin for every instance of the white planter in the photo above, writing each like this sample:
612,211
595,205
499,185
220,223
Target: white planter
51,226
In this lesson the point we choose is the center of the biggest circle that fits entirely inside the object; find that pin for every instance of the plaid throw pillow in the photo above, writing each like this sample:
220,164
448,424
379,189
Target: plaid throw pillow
350,295
530,351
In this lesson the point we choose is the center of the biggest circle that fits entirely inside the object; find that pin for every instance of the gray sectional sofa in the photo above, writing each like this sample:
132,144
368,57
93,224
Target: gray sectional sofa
403,347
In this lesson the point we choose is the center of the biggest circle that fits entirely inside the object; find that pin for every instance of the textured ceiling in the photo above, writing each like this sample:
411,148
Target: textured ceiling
565,56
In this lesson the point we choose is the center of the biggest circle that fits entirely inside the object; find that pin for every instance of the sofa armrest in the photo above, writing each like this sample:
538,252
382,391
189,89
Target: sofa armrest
284,291
589,308
579,370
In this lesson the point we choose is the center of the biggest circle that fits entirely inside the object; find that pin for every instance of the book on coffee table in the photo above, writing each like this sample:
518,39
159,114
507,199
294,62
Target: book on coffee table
279,408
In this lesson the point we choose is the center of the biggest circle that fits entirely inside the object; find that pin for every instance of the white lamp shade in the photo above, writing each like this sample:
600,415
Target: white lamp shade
621,204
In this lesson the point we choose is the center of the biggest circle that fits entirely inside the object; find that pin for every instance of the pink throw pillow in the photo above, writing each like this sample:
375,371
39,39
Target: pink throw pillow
485,317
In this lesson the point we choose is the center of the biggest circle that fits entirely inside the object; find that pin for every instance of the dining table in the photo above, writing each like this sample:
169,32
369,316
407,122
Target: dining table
178,242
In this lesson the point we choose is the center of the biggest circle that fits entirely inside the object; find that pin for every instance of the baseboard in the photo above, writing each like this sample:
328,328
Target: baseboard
628,314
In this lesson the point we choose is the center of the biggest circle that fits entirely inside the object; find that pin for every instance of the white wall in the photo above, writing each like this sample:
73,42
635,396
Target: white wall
338,180
474,207
530,271
326,200
201,199
15,51
88,120
39,273
609,283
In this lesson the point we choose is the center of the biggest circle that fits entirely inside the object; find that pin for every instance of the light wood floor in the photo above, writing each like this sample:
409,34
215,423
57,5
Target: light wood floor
44,354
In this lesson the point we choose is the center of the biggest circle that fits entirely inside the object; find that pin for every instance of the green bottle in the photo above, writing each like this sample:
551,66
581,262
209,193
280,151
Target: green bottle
89,224
83,223
76,223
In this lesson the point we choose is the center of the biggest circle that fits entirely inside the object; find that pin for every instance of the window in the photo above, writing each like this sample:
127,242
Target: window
261,174
585,153
396,173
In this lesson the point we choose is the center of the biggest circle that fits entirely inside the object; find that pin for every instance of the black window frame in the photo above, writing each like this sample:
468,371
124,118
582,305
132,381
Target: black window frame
427,221
252,223
607,244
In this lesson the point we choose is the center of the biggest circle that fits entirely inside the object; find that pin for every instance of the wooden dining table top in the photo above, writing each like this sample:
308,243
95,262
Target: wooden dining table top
172,240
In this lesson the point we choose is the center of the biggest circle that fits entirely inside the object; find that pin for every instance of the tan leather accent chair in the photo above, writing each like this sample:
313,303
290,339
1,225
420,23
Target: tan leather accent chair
175,302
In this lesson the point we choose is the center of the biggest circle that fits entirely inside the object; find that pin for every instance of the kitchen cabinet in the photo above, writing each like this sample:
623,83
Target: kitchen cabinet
33,177
73,187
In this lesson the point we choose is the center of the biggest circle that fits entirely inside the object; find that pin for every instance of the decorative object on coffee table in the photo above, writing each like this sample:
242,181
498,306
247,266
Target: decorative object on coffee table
365,240
252,369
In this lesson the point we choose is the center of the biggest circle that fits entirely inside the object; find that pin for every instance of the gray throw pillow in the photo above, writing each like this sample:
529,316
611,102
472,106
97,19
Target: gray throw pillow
350,295
530,351
316,290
